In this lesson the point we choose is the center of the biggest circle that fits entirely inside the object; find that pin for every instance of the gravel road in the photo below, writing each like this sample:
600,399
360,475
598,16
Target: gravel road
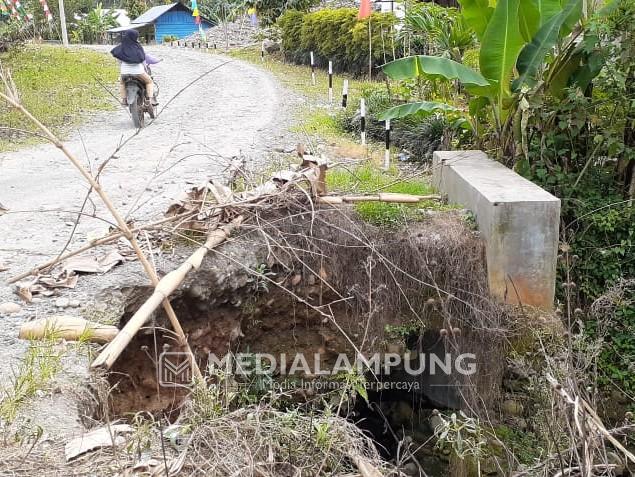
235,110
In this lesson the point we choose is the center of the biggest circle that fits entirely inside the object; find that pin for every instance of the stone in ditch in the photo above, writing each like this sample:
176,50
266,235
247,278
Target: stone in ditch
62,303
74,303
9,308
512,407
271,46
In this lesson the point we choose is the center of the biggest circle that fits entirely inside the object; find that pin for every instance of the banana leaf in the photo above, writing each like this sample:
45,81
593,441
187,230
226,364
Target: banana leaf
432,67
408,109
500,47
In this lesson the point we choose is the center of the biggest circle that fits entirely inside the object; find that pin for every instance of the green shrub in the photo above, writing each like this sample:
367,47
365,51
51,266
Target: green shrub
338,36
170,38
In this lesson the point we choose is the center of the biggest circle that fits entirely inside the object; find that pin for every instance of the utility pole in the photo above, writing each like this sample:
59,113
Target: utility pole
63,24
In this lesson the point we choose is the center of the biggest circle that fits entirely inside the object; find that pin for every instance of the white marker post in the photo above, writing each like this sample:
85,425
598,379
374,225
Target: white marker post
262,51
362,119
312,70
345,93
387,153
330,82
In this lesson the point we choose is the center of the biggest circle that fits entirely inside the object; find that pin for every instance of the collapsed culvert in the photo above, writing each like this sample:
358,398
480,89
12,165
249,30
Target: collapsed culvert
323,284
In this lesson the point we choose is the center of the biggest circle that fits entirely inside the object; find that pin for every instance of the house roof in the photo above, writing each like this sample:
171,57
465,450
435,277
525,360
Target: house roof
154,13
131,26
151,16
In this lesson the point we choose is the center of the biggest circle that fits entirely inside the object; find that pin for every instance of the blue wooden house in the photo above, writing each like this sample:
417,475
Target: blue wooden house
174,19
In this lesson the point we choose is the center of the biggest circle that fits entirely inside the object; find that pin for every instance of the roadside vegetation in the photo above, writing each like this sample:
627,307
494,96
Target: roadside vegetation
58,86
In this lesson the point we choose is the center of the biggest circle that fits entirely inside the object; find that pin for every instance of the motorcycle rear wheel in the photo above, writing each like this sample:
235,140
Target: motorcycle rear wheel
136,111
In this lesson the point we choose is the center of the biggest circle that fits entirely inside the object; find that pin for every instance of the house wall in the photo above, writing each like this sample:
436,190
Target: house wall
177,23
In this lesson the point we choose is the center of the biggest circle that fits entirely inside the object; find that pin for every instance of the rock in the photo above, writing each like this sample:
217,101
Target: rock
271,46
619,397
62,302
512,407
620,466
403,413
436,421
489,466
9,308
411,469
75,303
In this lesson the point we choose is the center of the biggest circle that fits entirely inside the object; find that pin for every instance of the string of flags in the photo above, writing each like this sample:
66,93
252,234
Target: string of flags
15,10
195,13
197,19
47,13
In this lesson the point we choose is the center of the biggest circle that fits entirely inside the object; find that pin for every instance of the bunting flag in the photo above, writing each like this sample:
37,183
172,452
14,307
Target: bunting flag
197,17
364,9
4,10
17,11
47,12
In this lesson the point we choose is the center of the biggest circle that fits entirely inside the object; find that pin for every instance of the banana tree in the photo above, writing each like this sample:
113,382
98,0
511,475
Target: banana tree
516,38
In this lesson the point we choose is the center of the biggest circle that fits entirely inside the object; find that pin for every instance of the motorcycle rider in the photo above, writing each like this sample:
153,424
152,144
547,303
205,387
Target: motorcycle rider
131,55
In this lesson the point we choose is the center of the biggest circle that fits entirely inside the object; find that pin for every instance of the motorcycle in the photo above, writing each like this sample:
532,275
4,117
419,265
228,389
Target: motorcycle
136,95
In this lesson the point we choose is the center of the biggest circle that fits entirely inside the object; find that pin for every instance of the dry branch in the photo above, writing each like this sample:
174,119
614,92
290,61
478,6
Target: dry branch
70,328
112,237
121,223
163,289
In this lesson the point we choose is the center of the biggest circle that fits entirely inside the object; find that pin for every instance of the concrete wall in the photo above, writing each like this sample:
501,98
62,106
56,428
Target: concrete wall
518,220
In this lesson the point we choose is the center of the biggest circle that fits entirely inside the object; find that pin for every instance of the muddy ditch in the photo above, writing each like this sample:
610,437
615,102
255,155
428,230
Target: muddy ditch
321,285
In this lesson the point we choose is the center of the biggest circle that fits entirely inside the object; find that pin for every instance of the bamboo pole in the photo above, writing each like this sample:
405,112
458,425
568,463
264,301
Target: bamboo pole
162,291
70,328
381,197
106,239
121,223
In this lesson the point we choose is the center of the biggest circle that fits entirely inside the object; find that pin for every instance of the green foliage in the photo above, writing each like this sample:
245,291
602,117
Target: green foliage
600,227
92,27
500,46
612,327
337,36
436,30
418,135
135,8
524,445
50,30
433,67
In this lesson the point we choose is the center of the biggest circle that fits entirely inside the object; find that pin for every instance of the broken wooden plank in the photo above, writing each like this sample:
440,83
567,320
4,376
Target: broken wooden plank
107,436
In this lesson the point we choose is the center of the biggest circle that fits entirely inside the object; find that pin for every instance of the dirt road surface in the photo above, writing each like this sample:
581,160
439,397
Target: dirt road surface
235,110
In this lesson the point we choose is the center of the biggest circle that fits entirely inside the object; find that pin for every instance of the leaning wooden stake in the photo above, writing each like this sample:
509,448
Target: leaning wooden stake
162,291
381,197
121,223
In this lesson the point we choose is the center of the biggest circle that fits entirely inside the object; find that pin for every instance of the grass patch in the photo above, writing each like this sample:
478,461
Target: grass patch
41,362
369,178
57,86
298,77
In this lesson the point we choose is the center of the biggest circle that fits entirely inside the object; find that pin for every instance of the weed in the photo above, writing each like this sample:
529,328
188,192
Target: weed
41,362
